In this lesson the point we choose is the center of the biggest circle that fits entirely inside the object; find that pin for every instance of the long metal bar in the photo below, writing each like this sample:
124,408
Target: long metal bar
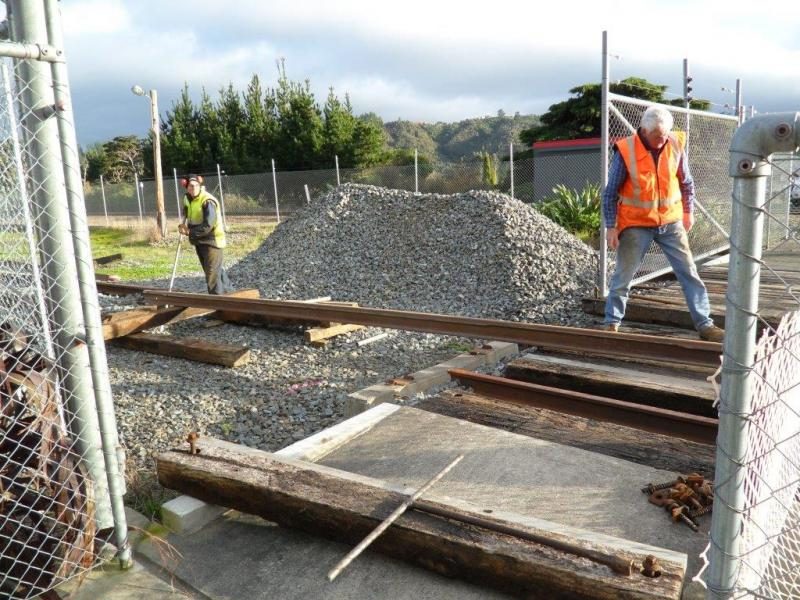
391,519
672,350
602,253
98,363
647,418
40,52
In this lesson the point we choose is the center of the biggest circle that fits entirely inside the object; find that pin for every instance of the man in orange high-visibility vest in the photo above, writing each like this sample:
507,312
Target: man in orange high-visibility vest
650,198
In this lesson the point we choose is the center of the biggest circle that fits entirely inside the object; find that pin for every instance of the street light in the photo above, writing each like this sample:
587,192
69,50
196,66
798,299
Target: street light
161,217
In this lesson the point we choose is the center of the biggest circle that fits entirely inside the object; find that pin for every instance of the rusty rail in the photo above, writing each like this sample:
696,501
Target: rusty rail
592,341
647,418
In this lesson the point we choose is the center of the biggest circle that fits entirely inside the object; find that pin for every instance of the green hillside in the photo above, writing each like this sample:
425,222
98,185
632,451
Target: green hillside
454,141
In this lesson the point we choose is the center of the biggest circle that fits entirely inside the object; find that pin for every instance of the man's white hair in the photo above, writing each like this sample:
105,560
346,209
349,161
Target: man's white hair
657,117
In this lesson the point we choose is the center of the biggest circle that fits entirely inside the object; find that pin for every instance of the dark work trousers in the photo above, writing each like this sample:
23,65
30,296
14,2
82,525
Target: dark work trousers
216,277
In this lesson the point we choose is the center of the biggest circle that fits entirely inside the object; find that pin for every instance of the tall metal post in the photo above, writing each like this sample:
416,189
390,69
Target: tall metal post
275,188
751,149
103,194
88,290
511,166
739,107
336,159
138,195
602,269
177,192
416,171
687,99
53,220
221,199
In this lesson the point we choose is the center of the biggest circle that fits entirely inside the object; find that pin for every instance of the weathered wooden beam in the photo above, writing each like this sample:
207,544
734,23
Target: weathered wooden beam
317,334
195,349
140,319
663,388
112,288
104,260
346,507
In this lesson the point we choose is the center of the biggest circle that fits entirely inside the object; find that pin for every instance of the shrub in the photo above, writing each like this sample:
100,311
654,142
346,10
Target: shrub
576,211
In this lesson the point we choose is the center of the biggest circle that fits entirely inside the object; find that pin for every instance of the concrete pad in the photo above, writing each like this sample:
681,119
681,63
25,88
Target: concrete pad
508,472
241,556
425,379
115,584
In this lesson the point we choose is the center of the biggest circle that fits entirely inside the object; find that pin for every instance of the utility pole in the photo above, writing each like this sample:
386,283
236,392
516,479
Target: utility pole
161,216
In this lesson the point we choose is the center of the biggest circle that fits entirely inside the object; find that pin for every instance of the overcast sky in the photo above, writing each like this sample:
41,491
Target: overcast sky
430,60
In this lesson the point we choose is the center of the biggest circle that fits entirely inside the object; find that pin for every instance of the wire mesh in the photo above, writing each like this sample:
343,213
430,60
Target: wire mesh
766,547
48,500
254,194
709,137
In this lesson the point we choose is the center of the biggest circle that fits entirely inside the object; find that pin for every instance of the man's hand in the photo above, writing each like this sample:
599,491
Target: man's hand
688,221
612,237
183,229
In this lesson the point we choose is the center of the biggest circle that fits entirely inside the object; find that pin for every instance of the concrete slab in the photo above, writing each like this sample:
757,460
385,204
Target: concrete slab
240,556
425,379
507,472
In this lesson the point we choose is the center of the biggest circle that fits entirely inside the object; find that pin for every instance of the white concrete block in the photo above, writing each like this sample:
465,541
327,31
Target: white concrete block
185,514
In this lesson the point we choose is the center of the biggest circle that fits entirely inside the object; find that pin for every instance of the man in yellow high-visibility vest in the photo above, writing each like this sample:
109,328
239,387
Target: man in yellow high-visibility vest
202,223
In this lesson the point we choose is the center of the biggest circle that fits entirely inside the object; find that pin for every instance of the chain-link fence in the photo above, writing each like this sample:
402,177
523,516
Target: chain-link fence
60,486
708,140
755,536
269,195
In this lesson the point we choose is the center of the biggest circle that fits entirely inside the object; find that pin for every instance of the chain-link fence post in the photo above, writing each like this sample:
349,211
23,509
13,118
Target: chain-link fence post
602,258
752,145
86,285
41,133
275,189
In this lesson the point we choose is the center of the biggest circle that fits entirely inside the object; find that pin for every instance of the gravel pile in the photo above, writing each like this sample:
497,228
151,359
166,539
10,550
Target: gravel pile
478,254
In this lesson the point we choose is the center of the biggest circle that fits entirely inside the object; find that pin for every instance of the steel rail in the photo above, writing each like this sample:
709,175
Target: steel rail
593,341
647,418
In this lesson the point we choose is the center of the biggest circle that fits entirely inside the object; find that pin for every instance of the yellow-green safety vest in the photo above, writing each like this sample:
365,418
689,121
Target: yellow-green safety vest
193,208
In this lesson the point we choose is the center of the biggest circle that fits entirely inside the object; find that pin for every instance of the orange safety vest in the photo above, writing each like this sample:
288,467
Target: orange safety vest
651,194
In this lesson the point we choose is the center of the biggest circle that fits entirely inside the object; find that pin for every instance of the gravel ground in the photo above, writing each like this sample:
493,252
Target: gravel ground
480,253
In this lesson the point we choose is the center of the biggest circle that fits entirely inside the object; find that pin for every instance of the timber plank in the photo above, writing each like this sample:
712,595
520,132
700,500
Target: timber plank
662,388
104,260
317,334
346,507
641,447
227,355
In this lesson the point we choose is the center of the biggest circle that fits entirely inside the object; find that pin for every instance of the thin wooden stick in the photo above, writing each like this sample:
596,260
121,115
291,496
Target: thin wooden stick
389,520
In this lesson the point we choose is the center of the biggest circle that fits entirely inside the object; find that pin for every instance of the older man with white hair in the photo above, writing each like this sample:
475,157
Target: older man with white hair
650,198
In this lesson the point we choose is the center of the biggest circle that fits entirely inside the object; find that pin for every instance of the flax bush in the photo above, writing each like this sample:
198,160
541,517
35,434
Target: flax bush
576,211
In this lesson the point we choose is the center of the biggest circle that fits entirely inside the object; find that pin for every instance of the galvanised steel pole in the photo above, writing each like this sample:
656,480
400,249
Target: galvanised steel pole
103,194
275,189
511,166
37,104
221,199
602,269
112,451
752,145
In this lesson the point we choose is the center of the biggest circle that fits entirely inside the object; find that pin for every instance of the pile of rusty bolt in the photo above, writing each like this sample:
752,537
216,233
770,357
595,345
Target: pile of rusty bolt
686,498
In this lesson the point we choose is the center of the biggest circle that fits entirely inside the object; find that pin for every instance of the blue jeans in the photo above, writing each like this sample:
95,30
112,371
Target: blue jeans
674,243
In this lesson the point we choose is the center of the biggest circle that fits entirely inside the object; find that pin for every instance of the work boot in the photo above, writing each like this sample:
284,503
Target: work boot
712,333
611,327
